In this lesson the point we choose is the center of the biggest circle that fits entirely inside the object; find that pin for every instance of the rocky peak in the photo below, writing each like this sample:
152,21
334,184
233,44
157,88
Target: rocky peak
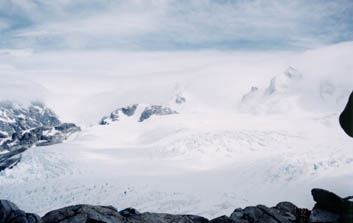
15,117
283,82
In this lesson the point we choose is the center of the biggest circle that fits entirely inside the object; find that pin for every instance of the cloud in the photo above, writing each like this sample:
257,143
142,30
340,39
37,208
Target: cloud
4,25
20,90
175,24
85,85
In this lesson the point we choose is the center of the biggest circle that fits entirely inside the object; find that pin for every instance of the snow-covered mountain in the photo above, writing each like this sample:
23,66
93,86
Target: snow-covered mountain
291,92
143,112
22,127
15,117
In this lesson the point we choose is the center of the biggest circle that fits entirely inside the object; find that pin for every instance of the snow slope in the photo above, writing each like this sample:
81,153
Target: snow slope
205,163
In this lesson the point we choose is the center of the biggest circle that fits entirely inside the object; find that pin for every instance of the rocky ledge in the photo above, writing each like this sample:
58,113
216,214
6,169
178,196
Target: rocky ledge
329,208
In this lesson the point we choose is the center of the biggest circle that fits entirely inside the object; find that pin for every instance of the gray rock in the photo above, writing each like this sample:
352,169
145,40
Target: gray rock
40,136
146,114
129,212
84,213
223,219
169,218
114,116
15,118
346,118
288,210
260,214
155,110
331,207
272,213
2,135
11,159
102,214
129,110
180,100
327,200
323,216
10,213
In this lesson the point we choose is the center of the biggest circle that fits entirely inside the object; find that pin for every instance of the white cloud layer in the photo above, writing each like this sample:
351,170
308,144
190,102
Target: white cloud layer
85,85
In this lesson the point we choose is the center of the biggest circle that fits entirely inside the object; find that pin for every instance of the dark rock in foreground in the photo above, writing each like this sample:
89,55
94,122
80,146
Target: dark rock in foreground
10,213
83,213
329,208
346,118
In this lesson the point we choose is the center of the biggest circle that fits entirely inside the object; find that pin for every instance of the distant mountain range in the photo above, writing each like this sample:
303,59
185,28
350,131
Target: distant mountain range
143,111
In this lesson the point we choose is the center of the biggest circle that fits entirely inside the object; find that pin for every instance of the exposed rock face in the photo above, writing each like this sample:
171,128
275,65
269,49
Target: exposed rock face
155,110
283,212
145,112
10,213
115,115
40,136
10,159
329,208
84,213
15,118
346,118
179,99
88,213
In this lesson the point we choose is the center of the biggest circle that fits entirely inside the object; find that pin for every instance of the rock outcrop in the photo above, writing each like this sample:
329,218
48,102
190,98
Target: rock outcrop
155,110
346,118
328,208
116,114
10,213
331,208
10,159
83,213
142,112
40,136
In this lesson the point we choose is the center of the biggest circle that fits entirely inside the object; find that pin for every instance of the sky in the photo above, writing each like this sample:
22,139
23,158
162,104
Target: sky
171,25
